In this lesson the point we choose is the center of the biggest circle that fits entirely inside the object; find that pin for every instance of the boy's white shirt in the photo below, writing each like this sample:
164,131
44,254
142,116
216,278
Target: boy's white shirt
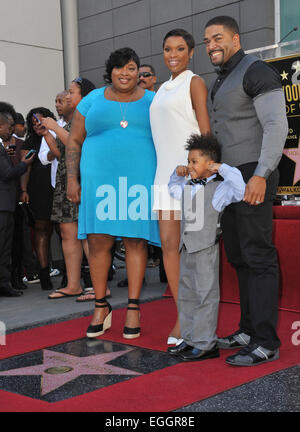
231,190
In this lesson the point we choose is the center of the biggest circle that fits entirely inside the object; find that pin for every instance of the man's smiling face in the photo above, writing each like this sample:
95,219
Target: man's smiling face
221,44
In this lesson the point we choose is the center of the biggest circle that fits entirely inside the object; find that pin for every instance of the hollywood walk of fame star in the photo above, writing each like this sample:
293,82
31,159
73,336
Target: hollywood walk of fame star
294,155
69,367
284,75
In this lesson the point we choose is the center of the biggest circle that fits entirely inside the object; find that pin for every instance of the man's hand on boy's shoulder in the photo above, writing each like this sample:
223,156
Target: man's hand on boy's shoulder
182,170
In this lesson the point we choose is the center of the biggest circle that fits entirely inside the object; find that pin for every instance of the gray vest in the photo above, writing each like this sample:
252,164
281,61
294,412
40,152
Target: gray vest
233,116
195,241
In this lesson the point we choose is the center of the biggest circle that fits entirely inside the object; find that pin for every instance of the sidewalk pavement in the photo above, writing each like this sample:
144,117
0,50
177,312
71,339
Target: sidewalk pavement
34,308
278,392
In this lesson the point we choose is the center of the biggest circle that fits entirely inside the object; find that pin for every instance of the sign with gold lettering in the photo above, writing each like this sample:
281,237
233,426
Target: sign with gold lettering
289,166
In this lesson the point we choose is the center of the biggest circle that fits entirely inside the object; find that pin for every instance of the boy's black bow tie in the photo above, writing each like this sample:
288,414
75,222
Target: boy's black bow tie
198,181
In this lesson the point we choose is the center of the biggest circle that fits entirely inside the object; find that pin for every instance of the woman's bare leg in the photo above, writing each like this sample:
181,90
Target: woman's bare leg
72,249
85,246
89,294
42,238
100,261
136,262
170,237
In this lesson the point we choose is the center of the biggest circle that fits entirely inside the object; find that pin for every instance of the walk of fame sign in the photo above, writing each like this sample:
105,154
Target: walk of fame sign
289,166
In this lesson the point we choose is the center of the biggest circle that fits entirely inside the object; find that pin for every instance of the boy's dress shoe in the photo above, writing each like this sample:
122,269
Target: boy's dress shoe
252,355
235,340
178,349
196,354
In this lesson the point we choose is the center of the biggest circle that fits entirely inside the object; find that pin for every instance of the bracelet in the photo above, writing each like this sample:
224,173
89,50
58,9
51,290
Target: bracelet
23,190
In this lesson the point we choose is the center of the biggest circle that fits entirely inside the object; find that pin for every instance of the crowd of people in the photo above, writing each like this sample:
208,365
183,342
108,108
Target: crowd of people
169,169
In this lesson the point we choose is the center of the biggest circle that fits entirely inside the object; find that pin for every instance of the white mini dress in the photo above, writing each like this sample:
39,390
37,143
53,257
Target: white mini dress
172,120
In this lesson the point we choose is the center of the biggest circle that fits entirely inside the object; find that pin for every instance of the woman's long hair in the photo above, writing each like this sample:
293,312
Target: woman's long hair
31,136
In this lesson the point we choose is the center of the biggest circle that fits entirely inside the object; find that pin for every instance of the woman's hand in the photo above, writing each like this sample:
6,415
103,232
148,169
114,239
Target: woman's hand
41,130
24,197
49,123
73,191
29,160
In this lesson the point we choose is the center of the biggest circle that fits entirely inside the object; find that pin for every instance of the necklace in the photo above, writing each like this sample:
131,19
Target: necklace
123,122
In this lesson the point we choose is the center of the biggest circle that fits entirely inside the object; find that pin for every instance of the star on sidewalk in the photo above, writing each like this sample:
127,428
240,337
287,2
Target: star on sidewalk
58,368
294,155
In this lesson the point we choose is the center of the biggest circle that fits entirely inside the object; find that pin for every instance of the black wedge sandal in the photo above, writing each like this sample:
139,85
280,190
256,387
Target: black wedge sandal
128,332
98,329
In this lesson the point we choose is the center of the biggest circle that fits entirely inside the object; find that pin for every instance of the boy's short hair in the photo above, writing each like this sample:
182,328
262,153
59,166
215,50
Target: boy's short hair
207,144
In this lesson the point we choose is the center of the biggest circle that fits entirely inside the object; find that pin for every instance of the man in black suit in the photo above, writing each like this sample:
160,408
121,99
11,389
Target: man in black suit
9,176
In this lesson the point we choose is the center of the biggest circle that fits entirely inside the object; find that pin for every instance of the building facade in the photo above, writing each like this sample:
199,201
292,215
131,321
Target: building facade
141,24
31,53
36,38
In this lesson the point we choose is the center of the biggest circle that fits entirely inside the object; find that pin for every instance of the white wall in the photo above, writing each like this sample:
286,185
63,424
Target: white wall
31,49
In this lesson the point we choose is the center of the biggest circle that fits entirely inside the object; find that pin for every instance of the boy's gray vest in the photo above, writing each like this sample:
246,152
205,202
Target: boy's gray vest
233,118
195,241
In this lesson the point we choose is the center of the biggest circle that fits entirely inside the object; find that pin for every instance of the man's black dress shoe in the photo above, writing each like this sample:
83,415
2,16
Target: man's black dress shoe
252,355
197,354
178,349
235,340
8,291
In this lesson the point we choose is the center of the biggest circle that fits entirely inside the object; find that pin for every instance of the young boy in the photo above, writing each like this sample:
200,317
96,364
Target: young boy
204,197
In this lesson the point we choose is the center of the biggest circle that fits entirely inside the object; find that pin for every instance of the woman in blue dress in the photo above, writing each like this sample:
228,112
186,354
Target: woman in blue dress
111,142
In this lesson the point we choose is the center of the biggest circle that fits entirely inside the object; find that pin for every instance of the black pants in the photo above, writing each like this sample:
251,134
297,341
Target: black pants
6,238
247,234
22,253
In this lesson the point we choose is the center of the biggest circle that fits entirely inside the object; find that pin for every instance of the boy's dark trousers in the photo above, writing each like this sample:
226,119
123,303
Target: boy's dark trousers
247,234
6,238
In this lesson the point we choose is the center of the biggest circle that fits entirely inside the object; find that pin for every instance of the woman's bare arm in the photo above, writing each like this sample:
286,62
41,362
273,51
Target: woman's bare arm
199,101
73,153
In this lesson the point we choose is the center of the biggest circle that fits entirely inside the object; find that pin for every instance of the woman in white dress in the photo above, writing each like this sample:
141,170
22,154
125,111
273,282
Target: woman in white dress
178,110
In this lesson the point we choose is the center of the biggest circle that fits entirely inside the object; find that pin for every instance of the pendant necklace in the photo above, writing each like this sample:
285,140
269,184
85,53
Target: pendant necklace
124,122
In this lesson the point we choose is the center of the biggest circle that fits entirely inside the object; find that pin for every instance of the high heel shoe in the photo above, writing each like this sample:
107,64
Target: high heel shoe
98,329
128,332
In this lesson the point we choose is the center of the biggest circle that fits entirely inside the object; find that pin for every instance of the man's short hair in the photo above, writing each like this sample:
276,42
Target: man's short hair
7,108
226,21
20,119
207,144
63,93
150,67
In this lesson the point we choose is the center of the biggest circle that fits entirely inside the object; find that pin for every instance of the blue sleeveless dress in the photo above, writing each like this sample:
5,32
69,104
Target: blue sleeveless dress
117,169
